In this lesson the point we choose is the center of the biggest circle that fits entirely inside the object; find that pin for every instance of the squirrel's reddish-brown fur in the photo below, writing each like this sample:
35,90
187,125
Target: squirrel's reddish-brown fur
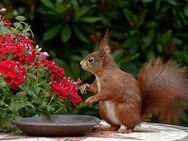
161,89
164,89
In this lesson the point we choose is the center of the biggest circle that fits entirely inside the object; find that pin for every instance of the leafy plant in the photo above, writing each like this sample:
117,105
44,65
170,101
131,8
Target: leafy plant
30,84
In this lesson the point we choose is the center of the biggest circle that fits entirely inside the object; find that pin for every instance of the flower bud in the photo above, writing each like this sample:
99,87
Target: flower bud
3,10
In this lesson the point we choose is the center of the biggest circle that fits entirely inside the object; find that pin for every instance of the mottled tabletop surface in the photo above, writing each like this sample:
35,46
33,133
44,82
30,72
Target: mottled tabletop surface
143,132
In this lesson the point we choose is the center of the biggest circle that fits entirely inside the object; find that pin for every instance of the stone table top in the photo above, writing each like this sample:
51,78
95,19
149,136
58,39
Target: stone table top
143,132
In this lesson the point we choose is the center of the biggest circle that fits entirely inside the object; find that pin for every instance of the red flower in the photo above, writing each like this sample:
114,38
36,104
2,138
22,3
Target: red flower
56,88
23,39
1,39
65,89
56,72
18,53
6,22
76,99
20,48
14,73
29,57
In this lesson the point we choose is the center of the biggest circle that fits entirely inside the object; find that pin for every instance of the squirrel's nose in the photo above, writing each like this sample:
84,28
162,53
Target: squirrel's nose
81,62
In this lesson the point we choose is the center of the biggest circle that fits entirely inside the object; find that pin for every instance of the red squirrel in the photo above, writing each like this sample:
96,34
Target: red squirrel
161,89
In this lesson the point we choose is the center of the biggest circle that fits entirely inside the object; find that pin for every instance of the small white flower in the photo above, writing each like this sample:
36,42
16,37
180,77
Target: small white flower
37,46
39,49
3,9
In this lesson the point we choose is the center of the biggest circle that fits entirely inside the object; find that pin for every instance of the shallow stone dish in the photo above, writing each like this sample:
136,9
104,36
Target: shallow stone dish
57,125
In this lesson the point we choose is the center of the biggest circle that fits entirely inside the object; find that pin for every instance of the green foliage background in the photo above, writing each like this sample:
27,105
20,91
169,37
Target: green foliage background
140,31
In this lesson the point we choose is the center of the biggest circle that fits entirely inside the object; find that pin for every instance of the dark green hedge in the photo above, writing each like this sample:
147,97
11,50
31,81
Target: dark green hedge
140,30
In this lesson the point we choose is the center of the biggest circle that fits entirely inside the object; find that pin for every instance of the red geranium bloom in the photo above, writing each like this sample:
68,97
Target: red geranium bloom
14,73
18,53
21,48
65,89
5,21
76,99
56,72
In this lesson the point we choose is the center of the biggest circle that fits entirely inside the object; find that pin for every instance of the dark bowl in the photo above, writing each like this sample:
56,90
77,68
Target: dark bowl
57,125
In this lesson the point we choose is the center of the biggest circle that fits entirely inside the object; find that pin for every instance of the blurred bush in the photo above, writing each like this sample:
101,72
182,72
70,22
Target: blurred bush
140,31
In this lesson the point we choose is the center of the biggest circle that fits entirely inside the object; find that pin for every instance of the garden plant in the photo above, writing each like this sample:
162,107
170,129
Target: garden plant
30,84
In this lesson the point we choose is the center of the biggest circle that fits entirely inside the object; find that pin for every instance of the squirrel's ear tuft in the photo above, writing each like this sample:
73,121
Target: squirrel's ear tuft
104,47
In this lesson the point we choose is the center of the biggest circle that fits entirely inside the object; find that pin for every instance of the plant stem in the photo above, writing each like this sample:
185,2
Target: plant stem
51,99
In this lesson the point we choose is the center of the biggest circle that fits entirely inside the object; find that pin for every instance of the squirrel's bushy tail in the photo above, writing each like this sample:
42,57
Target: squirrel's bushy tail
164,89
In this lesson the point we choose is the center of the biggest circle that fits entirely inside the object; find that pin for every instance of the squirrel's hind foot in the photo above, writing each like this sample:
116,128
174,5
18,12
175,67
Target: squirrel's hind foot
102,128
126,131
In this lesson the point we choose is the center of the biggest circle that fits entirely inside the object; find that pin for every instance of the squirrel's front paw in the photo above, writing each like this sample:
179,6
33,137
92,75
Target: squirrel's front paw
83,89
89,102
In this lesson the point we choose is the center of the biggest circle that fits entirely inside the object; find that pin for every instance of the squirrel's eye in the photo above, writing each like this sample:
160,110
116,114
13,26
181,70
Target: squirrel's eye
91,59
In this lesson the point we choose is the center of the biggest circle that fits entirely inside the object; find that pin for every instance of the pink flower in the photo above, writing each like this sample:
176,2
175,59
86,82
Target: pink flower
3,10
43,55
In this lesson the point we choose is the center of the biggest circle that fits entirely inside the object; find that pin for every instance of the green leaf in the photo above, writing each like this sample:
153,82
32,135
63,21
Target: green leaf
75,5
80,35
177,41
58,2
150,55
4,30
147,1
48,4
130,67
151,24
134,56
26,28
52,32
60,7
172,2
17,104
166,37
130,58
158,5
131,41
133,32
148,39
75,68
90,19
141,17
20,18
44,12
65,33
186,11
75,58
130,16
133,49
159,48
18,25
118,54
79,12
